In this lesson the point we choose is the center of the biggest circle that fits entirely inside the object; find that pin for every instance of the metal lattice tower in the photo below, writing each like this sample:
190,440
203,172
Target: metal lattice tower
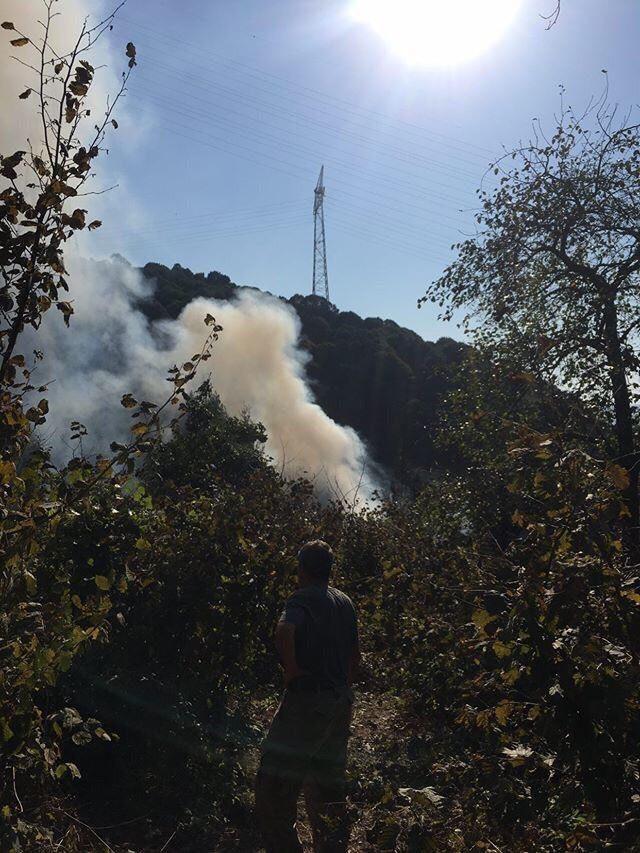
320,277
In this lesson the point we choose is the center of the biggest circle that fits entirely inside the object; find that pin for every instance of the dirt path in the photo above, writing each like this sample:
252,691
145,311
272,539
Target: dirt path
374,750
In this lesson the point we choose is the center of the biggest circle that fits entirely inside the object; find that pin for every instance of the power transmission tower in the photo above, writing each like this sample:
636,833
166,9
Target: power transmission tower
320,276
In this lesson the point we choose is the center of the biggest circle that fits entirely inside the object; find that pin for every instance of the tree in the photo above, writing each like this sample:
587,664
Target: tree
51,612
553,272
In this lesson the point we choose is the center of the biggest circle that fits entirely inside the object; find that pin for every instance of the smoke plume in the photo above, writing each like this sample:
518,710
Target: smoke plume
111,349
257,366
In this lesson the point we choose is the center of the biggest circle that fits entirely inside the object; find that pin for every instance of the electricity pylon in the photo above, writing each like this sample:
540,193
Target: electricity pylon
320,277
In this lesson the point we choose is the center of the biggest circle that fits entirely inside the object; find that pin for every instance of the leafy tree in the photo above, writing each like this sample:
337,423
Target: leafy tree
41,630
209,444
553,274
51,611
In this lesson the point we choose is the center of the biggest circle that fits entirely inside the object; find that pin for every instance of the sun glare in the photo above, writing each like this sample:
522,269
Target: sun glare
437,32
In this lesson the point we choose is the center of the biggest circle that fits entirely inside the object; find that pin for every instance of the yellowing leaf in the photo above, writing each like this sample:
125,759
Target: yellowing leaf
632,595
7,472
618,475
502,650
502,711
511,675
102,582
481,618
392,573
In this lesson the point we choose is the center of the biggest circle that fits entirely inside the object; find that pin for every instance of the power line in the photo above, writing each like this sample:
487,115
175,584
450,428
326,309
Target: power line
338,165
373,216
209,234
236,153
314,94
188,222
214,84
181,105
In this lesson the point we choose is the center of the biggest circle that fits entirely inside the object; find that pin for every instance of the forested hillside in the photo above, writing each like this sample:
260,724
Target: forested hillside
370,374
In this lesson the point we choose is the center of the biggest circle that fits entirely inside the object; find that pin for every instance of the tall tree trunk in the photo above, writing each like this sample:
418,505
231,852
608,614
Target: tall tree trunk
623,415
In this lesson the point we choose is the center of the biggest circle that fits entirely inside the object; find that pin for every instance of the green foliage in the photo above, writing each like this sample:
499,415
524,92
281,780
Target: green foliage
552,276
209,444
209,560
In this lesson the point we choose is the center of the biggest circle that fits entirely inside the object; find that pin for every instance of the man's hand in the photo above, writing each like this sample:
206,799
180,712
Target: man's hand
286,646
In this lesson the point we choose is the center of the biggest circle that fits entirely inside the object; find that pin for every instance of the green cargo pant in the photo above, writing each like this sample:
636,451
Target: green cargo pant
305,749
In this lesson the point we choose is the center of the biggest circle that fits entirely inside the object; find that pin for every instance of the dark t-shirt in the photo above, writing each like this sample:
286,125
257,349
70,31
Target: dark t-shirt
326,632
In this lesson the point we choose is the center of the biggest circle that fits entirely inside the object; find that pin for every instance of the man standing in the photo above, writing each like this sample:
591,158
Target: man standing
306,746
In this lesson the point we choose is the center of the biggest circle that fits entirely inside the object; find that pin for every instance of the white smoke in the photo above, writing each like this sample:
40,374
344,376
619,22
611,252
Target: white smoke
20,118
257,365
111,349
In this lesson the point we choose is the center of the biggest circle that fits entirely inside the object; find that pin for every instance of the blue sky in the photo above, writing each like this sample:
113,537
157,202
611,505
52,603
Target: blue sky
243,100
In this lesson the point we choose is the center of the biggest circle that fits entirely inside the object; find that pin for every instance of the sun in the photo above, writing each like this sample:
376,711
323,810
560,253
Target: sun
437,32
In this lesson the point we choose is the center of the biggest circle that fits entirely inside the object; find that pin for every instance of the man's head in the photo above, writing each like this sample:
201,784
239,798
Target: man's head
314,562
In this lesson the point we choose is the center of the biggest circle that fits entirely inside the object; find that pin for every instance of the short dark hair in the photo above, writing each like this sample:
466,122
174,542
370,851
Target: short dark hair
316,558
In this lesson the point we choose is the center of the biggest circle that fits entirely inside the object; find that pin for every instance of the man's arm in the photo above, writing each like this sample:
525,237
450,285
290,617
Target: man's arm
286,646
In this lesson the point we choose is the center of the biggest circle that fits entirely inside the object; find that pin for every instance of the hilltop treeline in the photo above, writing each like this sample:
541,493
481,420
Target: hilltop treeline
382,380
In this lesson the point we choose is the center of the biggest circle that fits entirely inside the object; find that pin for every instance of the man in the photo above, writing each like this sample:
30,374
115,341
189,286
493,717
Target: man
306,747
